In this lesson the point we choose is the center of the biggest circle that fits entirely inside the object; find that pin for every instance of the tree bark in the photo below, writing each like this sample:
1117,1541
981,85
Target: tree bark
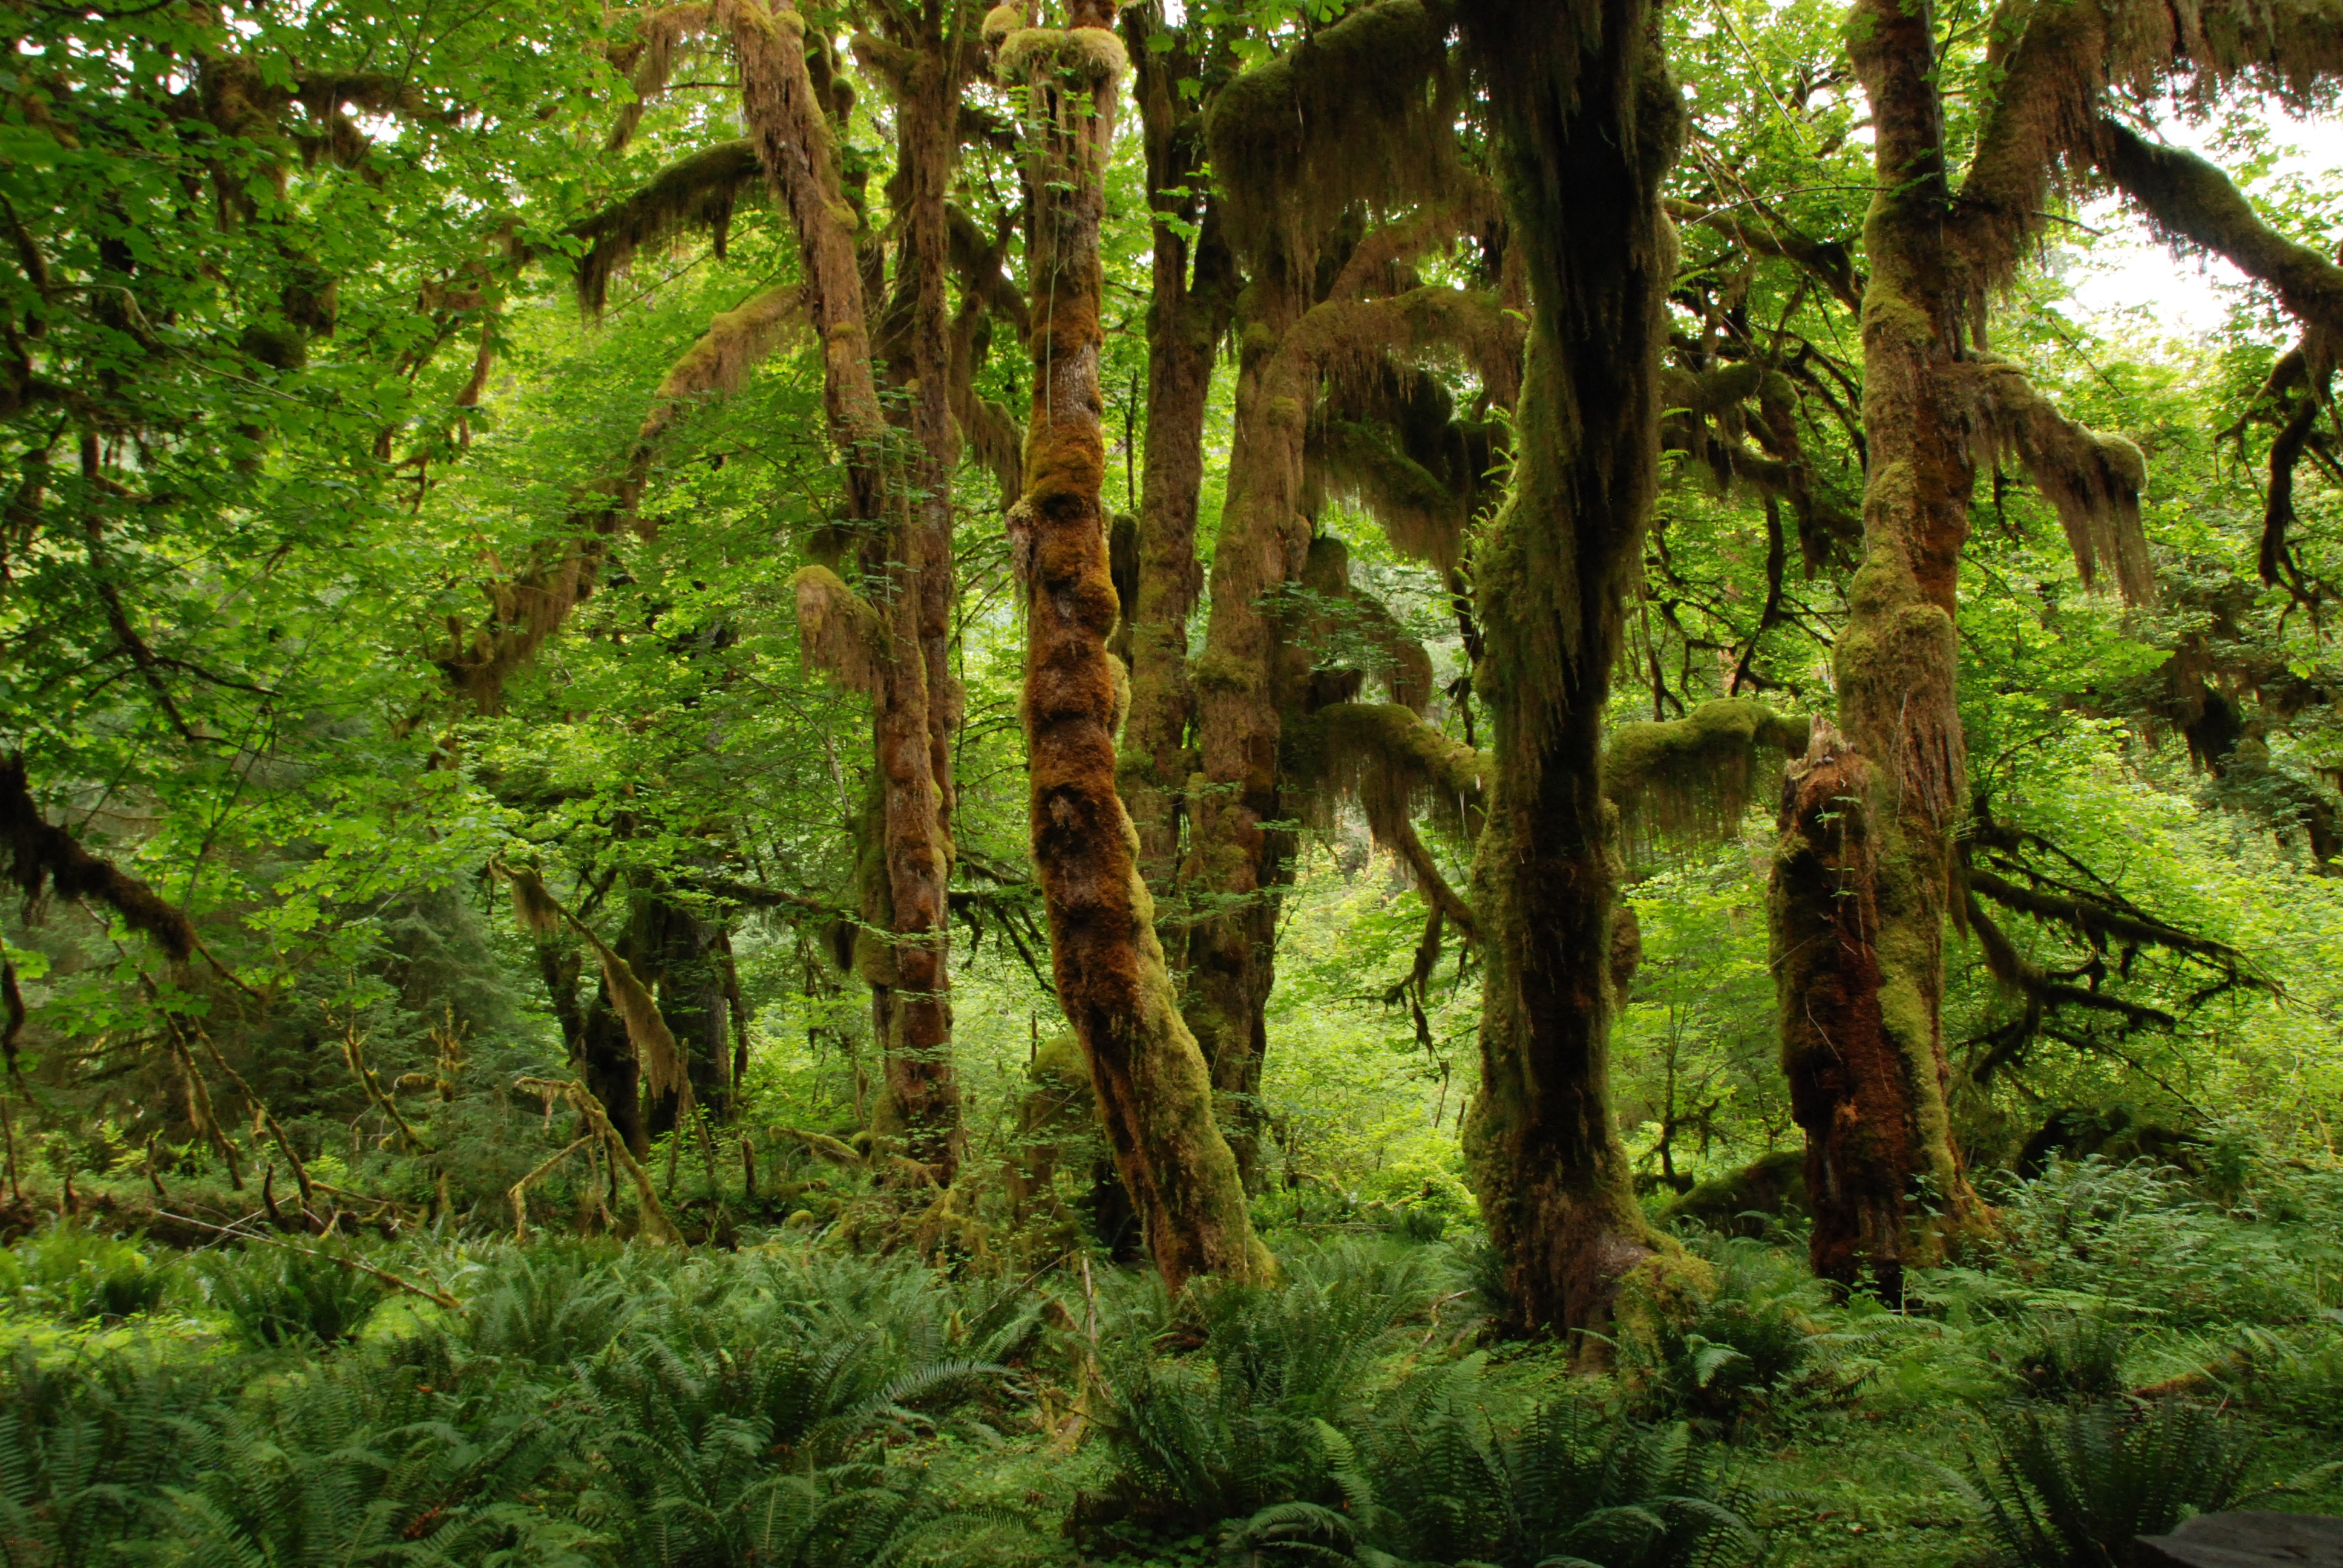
788,123
1192,298
1583,140
1863,1032
1153,1094
925,75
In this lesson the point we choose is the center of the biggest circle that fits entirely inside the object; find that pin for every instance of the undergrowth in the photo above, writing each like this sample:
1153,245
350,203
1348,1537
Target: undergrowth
794,1402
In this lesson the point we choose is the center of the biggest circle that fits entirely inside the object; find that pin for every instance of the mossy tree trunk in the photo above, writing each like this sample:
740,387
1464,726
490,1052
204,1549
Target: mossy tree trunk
1862,877
924,69
900,524
1192,289
1235,863
1154,1096
1584,135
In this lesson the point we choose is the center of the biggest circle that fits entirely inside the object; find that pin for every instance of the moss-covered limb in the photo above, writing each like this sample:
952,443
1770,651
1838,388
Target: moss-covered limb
44,858
1390,439
661,37
1153,1091
528,606
1395,767
1359,111
1392,744
2093,479
1759,232
2041,995
1193,293
987,295
695,194
1429,880
2101,924
1694,776
1583,133
2278,561
2060,63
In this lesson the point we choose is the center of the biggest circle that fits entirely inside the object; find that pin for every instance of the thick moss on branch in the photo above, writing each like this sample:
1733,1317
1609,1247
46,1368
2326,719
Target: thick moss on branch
2060,70
842,632
2093,479
530,605
1356,113
2190,202
1391,440
1692,778
695,193
44,857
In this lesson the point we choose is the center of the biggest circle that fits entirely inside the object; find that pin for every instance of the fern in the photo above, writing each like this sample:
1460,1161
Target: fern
2072,1489
1567,1488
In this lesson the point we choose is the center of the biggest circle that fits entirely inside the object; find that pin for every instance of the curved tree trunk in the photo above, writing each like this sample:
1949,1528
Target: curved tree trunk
1152,1090
1235,864
1584,139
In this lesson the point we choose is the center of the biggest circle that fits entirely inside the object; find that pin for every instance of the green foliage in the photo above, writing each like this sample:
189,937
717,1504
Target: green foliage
2072,1355
2143,1236
276,1296
2072,1489
1566,1483
1253,1418
1765,1346
75,1273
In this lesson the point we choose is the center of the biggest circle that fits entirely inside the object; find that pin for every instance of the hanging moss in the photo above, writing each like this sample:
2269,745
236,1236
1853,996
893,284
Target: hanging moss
695,194
1358,112
842,634
1080,58
2094,480
43,857
2192,202
1692,778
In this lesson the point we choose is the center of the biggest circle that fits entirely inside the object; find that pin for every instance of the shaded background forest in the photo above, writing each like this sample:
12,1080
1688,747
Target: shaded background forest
1404,783
326,648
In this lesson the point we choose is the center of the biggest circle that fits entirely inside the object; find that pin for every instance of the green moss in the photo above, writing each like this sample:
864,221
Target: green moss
1081,55
1772,1184
1222,672
1693,777
1356,113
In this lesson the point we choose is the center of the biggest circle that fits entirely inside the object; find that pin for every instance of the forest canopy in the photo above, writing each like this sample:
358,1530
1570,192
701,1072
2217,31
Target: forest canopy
1038,703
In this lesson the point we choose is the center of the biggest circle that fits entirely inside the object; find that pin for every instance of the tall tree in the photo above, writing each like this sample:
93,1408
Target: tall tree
1153,1091
1587,121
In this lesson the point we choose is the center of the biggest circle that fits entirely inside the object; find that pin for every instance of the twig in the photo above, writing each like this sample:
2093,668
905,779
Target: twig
440,1298
520,1188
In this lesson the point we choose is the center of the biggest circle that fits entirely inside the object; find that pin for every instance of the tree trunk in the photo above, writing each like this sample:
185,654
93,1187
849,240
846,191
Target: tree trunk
1153,1094
1584,139
926,81
1235,864
1862,988
1187,316
788,123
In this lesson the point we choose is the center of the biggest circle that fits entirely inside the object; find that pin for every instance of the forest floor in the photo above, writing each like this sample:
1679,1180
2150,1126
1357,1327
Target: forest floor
2131,1338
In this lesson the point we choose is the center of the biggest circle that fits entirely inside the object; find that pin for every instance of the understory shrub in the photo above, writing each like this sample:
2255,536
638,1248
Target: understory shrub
276,1296
1766,1345
2071,1489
